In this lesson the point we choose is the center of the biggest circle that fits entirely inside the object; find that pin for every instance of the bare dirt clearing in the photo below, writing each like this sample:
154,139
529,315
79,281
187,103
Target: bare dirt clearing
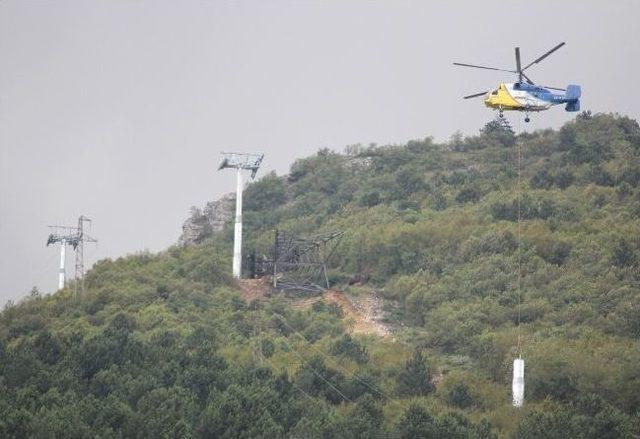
252,289
364,312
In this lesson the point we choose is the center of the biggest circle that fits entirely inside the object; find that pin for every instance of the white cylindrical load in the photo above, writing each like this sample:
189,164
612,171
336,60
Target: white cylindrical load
61,274
237,238
518,382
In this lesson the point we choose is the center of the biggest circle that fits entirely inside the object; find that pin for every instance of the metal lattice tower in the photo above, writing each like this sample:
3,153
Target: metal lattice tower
82,238
74,237
300,263
240,162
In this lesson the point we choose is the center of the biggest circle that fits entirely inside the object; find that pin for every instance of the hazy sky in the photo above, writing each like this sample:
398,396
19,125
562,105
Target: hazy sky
118,110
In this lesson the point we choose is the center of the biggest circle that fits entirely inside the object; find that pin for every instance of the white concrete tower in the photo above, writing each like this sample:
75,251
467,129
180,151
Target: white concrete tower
61,274
64,236
237,236
239,162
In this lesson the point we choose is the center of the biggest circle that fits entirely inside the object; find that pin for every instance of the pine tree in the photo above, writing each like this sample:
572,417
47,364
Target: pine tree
415,379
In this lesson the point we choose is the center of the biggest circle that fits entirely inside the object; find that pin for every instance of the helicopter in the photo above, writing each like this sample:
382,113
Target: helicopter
524,95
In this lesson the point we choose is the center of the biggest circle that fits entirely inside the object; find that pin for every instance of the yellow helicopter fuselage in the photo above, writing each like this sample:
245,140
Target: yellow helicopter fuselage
502,99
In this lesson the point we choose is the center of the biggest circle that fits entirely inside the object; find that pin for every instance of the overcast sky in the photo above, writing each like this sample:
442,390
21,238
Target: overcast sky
118,110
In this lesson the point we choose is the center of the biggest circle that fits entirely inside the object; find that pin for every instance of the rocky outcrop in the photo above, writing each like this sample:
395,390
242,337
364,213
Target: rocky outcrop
202,223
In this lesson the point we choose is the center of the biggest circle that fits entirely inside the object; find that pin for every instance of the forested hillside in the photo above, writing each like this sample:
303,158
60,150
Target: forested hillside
163,345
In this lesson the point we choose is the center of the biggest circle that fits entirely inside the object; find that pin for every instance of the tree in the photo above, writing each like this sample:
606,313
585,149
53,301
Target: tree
623,254
459,396
349,347
47,347
588,417
366,418
267,347
315,378
542,179
239,412
547,425
165,410
499,131
415,379
265,194
409,181
468,194
417,423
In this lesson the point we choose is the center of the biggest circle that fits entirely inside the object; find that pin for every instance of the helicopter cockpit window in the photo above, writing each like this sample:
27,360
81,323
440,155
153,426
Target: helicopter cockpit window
494,92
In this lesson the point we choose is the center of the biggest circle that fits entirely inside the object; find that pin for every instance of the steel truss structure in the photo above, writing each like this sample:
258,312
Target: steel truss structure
299,263
74,237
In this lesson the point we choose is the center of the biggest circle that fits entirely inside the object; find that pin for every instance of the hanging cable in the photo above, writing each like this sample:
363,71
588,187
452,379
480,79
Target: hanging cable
316,373
306,394
335,363
307,363
519,274
518,363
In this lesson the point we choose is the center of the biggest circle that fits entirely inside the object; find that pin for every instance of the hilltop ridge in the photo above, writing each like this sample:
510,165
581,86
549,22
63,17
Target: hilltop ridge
164,345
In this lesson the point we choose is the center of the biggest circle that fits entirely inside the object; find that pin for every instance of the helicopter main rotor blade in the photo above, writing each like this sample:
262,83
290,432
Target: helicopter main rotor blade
483,67
544,86
529,81
544,56
476,95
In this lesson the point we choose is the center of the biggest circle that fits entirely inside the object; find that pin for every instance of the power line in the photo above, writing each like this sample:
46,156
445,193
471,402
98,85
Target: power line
336,364
305,361
318,374
292,382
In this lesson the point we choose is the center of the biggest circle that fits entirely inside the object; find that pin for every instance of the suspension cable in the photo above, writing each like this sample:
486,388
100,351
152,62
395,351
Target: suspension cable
519,246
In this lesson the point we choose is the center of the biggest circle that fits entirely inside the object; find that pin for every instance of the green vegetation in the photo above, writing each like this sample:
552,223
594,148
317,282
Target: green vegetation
163,345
